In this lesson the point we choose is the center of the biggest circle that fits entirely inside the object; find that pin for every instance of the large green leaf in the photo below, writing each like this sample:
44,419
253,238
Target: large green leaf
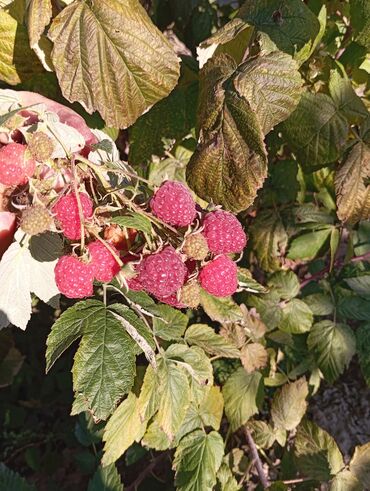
242,396
17,61
272,86
197,460
360,464
288,24
351,185
230,162
316,131
110,57
289,404
333,346
318,456
204,336
123,428
269,239
106,479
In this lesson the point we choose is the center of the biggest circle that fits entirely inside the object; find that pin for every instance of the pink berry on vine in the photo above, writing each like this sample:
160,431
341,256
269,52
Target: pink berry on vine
66,212
16,164
174,204
74,278
219,277
224,232
162,273
104,264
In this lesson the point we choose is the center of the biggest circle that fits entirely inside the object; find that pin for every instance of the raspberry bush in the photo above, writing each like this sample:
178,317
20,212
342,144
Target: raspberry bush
185,185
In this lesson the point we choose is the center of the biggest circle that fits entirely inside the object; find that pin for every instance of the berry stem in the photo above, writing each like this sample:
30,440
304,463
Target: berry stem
79,205
107,246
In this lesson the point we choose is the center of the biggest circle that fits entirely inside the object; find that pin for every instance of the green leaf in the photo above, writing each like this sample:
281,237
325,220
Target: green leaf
308,245
316,131
285,284
272,86
170,323
106,479
269,239
38,17
230,162
346,99
296,317
205,337
289,404
104,364
226,480
242,396
174,397
360,19
351,185
248,283
220,309
87,431
363,350
318,456
345,481
136,221
333,346
360,464
156,438
197,460
117,32
122,430
17,61
354,307
288,25
320,304
11,481
268,307
170,119
263,434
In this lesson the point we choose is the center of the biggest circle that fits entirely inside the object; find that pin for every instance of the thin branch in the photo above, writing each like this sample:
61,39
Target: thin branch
256,458
148,470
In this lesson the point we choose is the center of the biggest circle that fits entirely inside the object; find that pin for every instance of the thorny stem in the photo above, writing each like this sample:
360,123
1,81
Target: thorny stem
255,456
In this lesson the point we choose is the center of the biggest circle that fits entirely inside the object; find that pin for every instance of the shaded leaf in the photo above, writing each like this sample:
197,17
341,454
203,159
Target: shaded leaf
351,185
363,350
10,365
272,86
360,19
289,404
197,460
106,479
333,346
263,433
122,429
346,99
241,396
318,456
110,57
11,481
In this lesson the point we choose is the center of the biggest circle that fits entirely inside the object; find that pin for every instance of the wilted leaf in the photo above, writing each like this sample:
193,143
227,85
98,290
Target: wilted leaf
316,131
318,456
204,336
351,185
253,356
123,428
106,479
17,61
289,404
197,460
272,86
110,57
333,346
360,464
39,15
230,162
241,396
269,239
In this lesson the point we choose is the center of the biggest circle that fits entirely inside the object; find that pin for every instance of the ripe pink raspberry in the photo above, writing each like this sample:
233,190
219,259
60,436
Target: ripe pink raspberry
224,232
66,212
103,262
134,284
174,204
162,273
16,164
74,278
220,277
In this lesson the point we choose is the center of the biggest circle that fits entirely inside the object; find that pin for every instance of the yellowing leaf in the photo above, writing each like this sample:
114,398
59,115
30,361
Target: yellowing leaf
253,356
110,57
289,404
351,185
17,61
204,336
360,464
123,428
